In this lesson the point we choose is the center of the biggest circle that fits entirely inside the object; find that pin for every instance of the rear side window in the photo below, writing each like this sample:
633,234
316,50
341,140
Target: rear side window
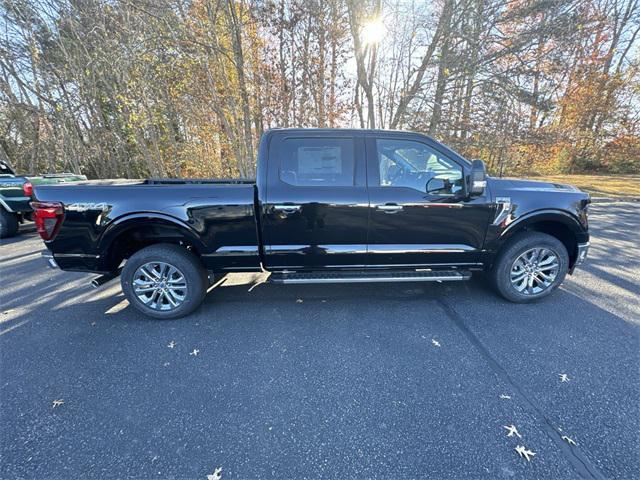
317,162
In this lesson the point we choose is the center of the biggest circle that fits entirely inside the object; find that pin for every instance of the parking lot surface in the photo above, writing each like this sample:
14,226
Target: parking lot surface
384,381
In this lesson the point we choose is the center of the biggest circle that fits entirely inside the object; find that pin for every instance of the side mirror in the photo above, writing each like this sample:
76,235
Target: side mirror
436,185
477,178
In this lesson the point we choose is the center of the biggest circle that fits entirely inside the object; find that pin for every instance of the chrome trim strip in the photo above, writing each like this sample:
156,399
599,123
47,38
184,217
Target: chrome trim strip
417,248
426,204
328,249
74,255
344,249
287,208
236,250
377,249
447,205
424,265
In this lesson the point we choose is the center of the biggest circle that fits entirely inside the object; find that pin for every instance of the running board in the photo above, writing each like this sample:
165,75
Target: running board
369,276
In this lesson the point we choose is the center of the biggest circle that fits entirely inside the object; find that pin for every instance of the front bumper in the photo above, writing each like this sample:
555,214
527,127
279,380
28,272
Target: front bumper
583,250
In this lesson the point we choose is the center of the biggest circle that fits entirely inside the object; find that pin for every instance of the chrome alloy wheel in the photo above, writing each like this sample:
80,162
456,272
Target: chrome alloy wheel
534,271
160,286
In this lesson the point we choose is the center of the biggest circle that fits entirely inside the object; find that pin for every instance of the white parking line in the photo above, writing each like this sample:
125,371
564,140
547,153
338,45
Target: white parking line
7,330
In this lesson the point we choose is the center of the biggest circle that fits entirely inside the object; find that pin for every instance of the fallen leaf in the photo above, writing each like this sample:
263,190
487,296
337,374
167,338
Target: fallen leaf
524,453
564,377
569,440
57,403
195,352
512,431
217,474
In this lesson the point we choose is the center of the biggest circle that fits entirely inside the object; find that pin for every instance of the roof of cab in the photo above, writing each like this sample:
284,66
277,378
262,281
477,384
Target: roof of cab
367,131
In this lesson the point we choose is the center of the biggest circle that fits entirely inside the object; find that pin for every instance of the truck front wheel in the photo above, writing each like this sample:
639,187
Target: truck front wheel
8,223
530,267
164,281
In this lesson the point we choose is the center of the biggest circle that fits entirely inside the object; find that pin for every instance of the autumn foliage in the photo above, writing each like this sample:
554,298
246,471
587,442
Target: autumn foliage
185,87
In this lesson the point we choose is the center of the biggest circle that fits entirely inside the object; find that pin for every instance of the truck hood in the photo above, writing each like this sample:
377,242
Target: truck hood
531,185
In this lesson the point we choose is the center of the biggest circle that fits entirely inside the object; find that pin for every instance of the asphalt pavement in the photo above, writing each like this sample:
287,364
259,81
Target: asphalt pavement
387,381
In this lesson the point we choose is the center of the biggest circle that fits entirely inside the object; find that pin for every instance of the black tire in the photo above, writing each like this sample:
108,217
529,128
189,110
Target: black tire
517,246
8,223
189,268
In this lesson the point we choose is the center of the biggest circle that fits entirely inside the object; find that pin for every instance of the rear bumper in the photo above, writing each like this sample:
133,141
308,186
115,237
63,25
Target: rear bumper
76,262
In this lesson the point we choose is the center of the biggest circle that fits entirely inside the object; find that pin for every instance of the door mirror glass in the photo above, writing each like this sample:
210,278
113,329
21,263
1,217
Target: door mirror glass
437,185
477,178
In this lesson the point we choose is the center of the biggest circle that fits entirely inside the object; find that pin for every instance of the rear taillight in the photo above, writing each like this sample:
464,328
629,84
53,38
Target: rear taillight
48,217
27,188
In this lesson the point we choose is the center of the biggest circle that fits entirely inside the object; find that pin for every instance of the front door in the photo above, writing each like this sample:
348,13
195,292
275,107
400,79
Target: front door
316,205
419,215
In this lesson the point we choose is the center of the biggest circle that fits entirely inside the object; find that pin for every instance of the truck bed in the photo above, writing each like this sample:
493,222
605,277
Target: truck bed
167,181
216,216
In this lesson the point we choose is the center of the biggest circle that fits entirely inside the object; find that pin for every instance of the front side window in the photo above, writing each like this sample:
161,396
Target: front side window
406,163
317,162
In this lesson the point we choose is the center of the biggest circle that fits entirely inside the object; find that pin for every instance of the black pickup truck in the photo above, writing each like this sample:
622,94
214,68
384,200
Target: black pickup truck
16,193
328,206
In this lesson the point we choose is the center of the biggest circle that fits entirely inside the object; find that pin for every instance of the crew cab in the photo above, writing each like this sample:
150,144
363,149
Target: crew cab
328,205
15,196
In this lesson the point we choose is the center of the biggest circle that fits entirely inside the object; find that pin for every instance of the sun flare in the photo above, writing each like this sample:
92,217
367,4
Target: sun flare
373,31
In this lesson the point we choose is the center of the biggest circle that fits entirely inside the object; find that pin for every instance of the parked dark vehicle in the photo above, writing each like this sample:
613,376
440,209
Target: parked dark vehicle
15,195
328,206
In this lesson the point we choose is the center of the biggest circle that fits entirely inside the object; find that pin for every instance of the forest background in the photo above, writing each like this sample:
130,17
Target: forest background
184,88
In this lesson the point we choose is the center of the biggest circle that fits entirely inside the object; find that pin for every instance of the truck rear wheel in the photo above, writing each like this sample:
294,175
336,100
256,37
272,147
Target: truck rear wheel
8,223
164,281
531,266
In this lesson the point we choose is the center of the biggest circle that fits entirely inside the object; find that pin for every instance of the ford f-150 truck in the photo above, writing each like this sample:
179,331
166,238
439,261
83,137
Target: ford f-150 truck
16,192
328,205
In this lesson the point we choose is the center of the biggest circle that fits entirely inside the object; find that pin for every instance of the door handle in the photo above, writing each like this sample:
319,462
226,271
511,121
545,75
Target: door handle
390,208
286,208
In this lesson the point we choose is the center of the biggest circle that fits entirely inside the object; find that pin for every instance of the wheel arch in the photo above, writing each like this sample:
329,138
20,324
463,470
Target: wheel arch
557,223
127,235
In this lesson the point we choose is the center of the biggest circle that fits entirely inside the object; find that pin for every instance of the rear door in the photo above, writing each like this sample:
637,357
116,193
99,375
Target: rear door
316,206
420,215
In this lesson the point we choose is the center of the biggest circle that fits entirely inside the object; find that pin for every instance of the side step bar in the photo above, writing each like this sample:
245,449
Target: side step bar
369,276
